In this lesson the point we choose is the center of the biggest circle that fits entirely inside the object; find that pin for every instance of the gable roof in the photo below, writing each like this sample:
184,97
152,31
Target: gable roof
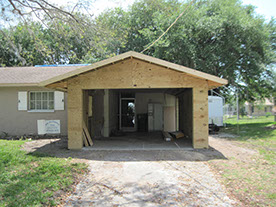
132,54
43,76
30,76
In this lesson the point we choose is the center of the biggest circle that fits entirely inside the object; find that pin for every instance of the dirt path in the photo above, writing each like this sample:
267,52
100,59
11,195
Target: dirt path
229,148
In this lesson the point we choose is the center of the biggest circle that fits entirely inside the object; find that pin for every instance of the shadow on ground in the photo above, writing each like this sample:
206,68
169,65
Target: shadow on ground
58,148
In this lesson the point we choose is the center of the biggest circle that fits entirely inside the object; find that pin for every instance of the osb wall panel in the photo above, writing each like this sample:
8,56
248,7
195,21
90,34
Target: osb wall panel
134,73
75,117
200,117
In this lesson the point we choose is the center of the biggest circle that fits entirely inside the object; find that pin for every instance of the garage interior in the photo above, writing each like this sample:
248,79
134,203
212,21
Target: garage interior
139,118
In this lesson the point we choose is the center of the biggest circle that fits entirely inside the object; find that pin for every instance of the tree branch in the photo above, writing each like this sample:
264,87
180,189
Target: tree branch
15,8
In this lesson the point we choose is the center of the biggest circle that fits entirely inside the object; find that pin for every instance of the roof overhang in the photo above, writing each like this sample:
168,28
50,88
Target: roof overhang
131,54
18,84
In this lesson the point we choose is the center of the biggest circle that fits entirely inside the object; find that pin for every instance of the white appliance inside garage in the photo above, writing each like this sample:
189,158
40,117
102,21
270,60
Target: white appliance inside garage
155,117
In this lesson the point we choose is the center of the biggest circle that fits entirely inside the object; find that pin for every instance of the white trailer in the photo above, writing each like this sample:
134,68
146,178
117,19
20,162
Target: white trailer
215,106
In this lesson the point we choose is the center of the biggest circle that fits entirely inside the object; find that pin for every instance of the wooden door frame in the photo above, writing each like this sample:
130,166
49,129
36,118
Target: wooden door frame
120,114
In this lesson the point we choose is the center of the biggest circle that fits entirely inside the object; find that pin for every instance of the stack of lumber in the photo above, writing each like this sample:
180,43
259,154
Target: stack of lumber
177,134
167,136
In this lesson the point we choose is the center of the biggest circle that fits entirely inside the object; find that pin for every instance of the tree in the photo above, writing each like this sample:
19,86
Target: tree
47,34
220,37
31,43
11,9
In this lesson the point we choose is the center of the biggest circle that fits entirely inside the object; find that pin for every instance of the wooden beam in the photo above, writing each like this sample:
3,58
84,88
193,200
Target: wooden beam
180,92
62,84
167,136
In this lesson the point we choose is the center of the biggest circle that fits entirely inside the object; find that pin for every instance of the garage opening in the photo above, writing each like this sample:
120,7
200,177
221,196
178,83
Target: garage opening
139,118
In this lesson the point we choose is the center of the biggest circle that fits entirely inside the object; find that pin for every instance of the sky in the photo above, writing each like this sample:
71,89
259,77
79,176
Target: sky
267,8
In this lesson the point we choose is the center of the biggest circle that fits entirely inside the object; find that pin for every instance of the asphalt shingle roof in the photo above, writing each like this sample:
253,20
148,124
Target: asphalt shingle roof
31,75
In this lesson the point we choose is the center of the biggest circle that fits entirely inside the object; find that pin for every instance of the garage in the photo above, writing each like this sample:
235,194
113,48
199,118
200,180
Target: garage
136,97
136,118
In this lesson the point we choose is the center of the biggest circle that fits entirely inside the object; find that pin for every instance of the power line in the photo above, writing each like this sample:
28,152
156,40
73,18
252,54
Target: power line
241,55
168,27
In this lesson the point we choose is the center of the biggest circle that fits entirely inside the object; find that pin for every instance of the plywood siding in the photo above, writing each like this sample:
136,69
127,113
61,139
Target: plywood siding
134,73
75,117
200,117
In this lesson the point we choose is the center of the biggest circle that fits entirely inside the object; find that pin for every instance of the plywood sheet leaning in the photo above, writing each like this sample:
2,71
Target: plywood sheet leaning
87,135
84,139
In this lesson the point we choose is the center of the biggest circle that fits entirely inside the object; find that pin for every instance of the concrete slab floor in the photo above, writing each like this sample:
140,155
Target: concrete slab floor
140,141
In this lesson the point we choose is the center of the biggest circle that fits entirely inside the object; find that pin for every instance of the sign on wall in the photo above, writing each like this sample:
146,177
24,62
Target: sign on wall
48,126
52,126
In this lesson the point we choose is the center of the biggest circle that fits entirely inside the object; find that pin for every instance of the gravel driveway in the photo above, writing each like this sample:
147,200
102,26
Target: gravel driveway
142,178
149,183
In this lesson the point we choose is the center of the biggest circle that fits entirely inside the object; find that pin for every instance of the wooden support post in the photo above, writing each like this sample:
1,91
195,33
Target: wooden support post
200,118
75,117
106,113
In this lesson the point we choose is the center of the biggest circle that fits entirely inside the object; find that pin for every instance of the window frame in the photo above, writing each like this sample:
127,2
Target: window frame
41,110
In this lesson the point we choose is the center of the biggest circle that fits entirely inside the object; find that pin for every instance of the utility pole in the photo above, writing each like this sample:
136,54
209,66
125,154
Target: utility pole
237,99
274,108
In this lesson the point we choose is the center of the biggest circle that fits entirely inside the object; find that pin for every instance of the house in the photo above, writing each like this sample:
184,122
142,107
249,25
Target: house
259,108
128,92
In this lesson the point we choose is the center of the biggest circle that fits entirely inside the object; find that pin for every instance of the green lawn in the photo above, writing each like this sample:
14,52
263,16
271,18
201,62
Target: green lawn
34,179
252,181
254,132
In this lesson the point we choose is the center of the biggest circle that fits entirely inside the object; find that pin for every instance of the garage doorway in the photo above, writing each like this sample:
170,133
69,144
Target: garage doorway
127,114
137,118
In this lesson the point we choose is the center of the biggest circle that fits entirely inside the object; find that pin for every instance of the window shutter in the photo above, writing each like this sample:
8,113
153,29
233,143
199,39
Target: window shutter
59,100
22,101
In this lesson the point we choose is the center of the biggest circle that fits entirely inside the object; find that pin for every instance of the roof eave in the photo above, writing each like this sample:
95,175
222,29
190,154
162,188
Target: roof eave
18,84
140,56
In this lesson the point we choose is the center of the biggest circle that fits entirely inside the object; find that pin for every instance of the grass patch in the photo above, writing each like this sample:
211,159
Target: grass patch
33,179
254,132
251,180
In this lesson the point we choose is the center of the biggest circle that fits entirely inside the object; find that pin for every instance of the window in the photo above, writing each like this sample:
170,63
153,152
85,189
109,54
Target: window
41,100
